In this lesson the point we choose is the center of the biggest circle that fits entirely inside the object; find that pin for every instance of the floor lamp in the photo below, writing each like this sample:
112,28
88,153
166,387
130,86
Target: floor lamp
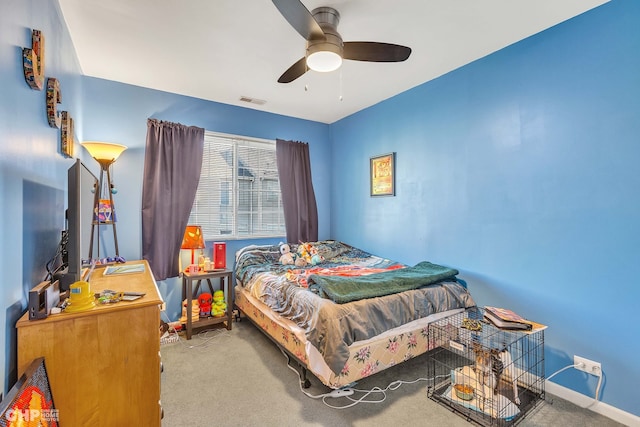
106,154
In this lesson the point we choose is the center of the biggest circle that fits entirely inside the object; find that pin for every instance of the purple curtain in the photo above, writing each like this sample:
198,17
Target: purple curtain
296,186
172,164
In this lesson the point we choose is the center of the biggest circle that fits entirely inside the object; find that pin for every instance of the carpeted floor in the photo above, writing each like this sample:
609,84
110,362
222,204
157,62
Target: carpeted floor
240,378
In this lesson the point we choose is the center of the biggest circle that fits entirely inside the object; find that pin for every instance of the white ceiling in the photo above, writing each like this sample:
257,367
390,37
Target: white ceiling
222,50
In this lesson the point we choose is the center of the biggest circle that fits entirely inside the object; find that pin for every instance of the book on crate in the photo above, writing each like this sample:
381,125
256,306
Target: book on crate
507,319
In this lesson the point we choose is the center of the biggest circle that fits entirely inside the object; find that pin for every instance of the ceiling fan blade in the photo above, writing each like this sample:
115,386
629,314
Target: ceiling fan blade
300,19
295,71
375,52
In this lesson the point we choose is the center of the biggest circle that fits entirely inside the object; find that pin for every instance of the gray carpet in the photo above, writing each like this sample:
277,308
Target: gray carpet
240,378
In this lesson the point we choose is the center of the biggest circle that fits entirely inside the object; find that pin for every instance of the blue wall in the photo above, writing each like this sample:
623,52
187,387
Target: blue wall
33,177
520,170
118,112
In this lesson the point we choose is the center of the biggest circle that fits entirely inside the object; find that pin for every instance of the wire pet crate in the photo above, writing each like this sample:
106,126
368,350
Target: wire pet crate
488,375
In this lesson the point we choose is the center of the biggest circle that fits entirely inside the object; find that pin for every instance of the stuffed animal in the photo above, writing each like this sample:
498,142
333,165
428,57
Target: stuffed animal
219,307
303,253
309,254
204,301
300,261
287,257
316,258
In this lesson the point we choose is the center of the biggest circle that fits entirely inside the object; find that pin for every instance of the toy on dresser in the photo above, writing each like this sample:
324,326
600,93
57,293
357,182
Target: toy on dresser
219,307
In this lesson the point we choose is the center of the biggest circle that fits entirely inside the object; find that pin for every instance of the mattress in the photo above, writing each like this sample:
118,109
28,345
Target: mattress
341,343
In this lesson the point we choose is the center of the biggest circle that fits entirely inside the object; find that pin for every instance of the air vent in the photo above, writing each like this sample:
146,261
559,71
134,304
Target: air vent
252,100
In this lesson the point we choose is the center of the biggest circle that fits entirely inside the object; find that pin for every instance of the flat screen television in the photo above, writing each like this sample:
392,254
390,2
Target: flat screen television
82,185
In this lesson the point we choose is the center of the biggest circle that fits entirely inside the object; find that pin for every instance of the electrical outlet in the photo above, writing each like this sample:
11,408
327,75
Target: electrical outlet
588,366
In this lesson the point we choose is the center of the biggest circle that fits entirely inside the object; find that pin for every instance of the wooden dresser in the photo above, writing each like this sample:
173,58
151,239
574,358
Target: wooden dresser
103,364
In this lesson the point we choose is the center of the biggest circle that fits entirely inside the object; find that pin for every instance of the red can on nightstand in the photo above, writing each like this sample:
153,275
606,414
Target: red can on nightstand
219,255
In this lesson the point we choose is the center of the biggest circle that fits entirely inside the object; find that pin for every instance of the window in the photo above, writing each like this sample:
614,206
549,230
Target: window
238,195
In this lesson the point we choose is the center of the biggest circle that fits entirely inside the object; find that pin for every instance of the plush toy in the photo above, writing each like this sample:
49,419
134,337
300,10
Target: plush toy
204,301
303,253
219,307
309,254
287,257
300,261
316,259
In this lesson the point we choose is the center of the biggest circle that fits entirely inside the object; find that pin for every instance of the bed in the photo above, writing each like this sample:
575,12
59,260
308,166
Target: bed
351,315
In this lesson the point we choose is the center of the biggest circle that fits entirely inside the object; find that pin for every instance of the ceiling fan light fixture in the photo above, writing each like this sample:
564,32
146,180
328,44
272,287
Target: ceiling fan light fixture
325,47
324,57
324,61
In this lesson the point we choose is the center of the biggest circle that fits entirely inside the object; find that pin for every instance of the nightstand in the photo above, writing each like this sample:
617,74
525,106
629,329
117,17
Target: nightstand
189,293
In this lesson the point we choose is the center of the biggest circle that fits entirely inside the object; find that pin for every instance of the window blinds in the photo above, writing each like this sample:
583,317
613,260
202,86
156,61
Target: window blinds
239,193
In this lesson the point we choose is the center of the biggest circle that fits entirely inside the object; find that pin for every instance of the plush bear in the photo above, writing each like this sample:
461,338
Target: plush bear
286,257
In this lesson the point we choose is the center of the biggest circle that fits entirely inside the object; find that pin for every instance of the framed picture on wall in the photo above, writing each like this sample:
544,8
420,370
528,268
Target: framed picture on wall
383,175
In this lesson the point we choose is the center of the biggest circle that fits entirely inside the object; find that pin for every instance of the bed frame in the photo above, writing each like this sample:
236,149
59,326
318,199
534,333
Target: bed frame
365,357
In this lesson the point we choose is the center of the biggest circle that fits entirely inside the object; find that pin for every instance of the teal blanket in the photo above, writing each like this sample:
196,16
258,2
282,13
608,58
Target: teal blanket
346,289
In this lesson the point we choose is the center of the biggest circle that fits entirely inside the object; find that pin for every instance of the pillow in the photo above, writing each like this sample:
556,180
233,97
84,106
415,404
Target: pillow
328,249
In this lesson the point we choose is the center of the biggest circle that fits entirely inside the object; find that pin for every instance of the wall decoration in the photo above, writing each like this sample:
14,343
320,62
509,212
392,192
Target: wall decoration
66,135
382,175
54,97
33,65
33,61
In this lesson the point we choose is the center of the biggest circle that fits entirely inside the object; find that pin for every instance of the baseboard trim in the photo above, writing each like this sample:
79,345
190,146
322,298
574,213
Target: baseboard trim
590,403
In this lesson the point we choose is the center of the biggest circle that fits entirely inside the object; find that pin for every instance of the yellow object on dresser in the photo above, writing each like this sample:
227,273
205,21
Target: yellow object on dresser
80,298
104,363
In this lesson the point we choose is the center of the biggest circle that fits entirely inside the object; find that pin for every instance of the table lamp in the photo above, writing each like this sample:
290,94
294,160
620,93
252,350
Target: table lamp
106,154
193,240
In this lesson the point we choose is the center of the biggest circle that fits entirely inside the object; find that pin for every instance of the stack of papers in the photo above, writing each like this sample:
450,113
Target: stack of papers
123,269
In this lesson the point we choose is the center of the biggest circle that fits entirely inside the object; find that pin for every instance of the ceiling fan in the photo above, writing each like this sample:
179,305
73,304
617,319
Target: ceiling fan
325,48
